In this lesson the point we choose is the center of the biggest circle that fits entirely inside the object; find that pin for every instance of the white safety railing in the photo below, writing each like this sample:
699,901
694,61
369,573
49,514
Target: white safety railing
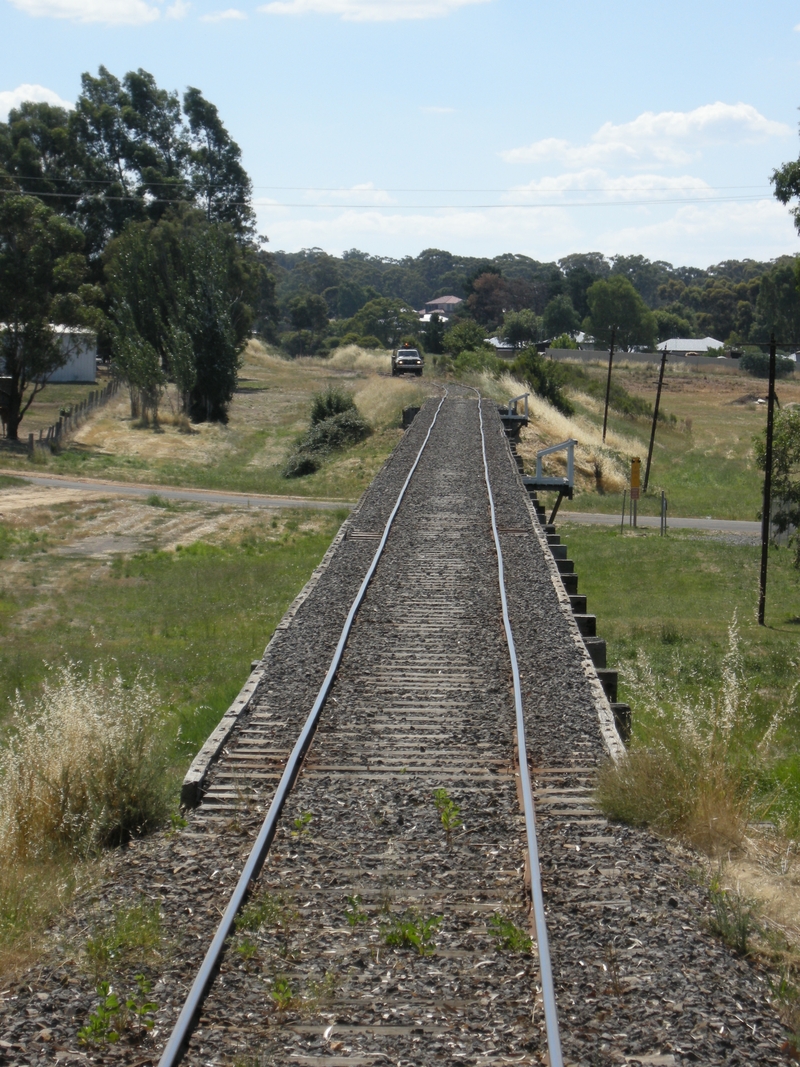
512,404
569,445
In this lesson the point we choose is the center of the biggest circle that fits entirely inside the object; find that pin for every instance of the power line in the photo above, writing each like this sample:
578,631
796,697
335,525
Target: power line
399,207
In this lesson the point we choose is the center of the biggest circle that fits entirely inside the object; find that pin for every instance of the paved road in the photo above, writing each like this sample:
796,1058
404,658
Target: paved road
201,496
256,500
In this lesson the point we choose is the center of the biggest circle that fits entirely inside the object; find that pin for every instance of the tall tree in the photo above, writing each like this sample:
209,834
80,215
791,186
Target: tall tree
184,291
520,328
35,150
158,145
615,303
560,317
218,179
42,268
101,139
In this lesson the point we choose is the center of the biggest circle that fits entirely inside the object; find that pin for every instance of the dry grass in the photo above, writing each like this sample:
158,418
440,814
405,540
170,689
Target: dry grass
84,768
691,772
597,465
381,402
366,361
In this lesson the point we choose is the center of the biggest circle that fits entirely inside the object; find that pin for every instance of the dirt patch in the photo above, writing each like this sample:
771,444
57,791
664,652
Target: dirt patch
13,500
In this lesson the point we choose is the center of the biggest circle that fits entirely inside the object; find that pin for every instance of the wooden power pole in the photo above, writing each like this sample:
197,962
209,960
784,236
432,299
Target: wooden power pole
608,383
766,507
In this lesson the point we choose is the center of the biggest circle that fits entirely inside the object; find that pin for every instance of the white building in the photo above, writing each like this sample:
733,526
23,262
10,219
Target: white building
80,347
683,346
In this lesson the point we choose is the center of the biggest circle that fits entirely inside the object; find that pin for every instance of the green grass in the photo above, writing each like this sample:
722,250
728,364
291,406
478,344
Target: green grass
193,619
704,459
673,598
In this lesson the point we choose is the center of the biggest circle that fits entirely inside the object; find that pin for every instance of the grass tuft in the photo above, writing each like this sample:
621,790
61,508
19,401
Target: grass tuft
692,769
84,768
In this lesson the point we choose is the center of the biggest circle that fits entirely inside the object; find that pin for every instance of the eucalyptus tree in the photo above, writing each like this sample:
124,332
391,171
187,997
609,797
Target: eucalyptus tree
42,272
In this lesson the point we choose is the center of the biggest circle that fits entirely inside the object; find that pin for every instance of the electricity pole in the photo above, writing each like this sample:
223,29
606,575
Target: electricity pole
766,507
655,420
608,383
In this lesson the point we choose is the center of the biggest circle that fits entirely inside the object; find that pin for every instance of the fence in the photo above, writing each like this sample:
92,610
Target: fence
67,424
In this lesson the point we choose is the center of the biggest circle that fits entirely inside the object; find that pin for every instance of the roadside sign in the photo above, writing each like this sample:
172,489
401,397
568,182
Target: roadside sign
636,467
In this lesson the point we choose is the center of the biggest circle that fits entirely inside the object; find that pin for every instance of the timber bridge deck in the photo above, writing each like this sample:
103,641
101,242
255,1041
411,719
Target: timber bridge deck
382,849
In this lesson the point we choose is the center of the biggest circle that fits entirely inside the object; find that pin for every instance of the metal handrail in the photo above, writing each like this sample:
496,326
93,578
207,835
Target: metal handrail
512,404
545,966
176,1046
569,445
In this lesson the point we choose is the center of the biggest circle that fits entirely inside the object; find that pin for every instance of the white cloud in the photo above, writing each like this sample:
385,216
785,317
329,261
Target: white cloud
701,234
433,110
666,137
596,184
110,12
369,10
232,14
697,234
38,93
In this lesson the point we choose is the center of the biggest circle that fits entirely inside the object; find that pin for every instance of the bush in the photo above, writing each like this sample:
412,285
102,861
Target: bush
757,364
332,402
464,336
85,769
544,377
564,341
300,464
478,360
335,423
692,767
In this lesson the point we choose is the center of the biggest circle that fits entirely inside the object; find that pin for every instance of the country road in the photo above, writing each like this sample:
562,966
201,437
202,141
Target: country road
256,500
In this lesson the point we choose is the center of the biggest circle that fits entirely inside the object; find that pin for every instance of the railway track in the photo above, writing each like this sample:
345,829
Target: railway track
404,833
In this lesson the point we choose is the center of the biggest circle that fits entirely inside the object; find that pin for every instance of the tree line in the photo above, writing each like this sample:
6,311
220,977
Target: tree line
327,300
130,215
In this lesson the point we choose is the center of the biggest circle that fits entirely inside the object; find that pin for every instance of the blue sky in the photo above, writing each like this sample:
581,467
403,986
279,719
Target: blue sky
479,126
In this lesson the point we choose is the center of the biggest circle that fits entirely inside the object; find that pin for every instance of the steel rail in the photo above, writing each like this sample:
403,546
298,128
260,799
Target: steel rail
176,1046
545,967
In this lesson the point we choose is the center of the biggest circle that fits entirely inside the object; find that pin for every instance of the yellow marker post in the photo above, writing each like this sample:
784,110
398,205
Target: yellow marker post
636,471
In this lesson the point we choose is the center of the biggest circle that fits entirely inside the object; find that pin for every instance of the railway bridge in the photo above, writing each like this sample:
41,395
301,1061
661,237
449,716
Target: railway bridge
392,854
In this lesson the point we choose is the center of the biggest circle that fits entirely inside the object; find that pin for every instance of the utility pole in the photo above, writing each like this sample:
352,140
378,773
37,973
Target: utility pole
655,420
608,383
766,507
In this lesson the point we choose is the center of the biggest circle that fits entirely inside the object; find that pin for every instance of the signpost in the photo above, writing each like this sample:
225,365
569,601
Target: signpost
636,468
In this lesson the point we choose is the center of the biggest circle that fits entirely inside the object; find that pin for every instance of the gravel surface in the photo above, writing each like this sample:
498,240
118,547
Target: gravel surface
422,702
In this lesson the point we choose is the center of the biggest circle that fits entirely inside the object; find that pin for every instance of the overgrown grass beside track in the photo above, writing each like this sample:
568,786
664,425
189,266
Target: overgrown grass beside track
665,606
187,619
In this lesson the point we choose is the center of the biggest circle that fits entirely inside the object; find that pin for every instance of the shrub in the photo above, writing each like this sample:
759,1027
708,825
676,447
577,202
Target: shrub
299,464
544,377
335,423
692,768
335,432
478,360
85,768
564,341
757,364
331,402
370,341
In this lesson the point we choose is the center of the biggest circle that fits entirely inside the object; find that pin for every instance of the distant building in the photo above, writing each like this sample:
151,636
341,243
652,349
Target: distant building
80,348
445,305
502,348
682,346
